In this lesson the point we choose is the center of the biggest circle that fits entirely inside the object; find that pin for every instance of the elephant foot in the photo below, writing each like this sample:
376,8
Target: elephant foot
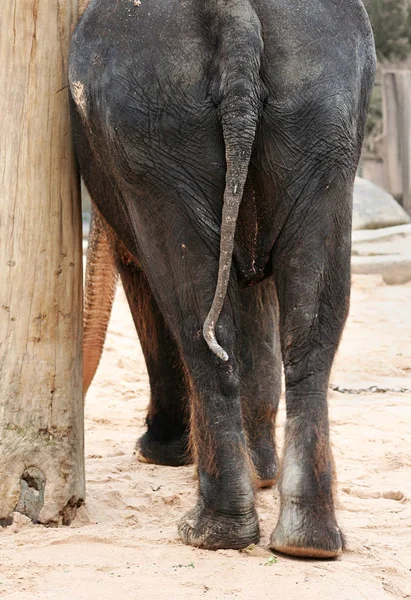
207,529
265,462
172,453
307,530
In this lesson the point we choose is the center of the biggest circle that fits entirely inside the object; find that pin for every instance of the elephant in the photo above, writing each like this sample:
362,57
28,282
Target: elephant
219,141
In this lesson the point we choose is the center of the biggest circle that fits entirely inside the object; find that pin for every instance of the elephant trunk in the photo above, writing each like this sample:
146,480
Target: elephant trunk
100,287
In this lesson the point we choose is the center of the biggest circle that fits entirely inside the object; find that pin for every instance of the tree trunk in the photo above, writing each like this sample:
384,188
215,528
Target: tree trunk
41,407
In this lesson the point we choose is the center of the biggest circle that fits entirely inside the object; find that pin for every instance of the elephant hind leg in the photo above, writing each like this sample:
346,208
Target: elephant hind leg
260,376
166,440
313,283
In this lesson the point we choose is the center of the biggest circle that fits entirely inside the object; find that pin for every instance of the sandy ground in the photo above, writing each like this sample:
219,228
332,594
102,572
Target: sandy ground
124,542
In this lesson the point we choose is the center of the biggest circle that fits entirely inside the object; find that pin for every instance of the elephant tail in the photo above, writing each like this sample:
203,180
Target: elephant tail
100,287
239,93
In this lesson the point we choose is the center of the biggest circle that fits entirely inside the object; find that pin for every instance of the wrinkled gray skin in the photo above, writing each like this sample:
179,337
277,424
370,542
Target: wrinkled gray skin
219,141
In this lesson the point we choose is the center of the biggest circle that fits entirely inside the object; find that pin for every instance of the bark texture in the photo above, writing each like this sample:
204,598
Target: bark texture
41,407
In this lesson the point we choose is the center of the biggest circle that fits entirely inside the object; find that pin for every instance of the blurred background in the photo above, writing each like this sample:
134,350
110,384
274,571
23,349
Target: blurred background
386,155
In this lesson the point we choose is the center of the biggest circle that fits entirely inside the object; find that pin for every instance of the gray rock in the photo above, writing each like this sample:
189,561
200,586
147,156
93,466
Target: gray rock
389,240
375,208
384,235
393,268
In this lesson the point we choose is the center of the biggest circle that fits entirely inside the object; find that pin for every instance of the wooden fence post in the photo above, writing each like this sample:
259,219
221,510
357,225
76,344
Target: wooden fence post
397,134
41,406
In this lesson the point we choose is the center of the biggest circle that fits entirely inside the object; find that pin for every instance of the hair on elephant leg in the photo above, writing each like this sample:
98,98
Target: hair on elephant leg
100,287
260,356
166,440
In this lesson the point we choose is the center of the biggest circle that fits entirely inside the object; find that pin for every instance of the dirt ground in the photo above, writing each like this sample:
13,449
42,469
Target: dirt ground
124,542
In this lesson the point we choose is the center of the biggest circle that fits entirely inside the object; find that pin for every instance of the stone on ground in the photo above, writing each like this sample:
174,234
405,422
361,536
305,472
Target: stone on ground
375,208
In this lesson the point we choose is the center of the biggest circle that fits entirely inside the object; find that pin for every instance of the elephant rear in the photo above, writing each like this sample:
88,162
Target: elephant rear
220,143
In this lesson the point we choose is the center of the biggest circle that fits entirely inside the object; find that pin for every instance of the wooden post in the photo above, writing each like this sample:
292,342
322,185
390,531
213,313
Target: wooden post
41,407
397,134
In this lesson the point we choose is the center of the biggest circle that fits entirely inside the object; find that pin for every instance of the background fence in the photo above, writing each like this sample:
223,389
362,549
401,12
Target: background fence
387,160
